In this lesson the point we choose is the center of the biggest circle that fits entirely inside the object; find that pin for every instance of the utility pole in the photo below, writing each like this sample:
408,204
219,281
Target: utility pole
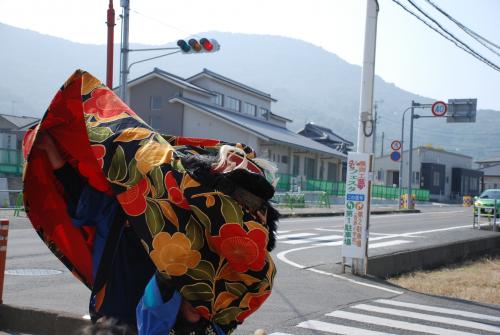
109,59
124,50
382,145
375,107
365,134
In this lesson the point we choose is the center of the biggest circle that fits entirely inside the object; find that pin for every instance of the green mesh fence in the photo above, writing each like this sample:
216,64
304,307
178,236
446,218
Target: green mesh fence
337,188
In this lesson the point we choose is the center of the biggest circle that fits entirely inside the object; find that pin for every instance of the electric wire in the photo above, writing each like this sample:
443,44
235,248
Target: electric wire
469,31
162,23
473,53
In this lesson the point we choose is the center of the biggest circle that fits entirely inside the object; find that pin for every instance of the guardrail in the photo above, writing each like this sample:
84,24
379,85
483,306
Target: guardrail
489,212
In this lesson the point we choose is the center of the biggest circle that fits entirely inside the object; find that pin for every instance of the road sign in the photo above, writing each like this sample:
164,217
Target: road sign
395,156
396,145
439,108
462,110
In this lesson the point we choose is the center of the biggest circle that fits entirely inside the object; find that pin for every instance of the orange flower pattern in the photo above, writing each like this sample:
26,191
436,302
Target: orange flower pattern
173,254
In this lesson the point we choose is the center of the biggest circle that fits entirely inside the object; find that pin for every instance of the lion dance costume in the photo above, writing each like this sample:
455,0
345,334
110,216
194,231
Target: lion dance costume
156,218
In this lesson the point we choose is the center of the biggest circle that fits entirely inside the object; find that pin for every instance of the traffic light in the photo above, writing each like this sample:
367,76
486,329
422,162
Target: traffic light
195,46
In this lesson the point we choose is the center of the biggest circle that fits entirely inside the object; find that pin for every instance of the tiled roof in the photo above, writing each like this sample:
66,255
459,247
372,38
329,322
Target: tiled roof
20,121
262,128
233,82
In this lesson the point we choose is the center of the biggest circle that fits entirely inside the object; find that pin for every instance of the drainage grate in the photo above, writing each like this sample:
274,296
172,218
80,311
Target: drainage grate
33,272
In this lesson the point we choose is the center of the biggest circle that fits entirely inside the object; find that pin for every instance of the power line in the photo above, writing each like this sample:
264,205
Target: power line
162,23
454,41
472,51
469,31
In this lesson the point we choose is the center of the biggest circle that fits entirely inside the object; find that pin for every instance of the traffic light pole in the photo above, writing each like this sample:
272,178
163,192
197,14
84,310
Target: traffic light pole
124,50
402,154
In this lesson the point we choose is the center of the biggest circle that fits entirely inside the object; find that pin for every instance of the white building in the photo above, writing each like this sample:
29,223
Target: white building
447,175
213,106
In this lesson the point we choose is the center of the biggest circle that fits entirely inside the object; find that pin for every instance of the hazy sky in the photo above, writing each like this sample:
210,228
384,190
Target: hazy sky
408,53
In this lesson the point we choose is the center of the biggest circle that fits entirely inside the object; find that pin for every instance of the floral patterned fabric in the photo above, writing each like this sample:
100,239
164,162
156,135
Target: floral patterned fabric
212,249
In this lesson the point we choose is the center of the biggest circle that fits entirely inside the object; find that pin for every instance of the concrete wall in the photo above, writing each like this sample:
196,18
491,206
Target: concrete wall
169,118
199,124
491,182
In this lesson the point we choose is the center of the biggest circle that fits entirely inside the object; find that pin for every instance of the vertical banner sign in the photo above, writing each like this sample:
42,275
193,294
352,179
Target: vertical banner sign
356,205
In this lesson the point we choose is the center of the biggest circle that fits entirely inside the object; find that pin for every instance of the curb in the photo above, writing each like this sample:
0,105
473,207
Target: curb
388,265
376,212
39,322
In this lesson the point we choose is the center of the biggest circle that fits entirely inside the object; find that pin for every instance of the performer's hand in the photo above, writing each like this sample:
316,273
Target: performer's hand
46,143
189,312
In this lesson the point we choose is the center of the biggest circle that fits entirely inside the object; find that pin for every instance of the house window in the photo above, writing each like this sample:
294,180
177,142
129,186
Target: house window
156,102
380,175
310,168
155,121
250,109
332,171
284,159
435,179
417,177
219,99
263,112
296,165
233,104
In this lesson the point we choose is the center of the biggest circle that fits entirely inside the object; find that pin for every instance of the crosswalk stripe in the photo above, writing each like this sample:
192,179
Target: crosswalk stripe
304,241
396,324
281,237
387,244
439,310
278,333
428,317
338,329
326,238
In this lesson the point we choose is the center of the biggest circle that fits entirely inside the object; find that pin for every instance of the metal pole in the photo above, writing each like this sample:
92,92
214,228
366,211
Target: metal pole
410,154
364,144
4,233
124,50
402,155
111,27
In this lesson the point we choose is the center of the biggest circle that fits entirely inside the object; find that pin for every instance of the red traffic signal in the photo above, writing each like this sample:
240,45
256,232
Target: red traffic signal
195,46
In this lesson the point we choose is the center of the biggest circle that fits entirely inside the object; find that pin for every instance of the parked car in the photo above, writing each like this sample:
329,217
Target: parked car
486,202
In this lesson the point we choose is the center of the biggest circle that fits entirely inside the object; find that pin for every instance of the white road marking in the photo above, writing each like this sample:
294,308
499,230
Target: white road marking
396,324
86,317
283,231
439,310
428,317
326,238
280,334
281,256
338,329
387,244
281,237
433,230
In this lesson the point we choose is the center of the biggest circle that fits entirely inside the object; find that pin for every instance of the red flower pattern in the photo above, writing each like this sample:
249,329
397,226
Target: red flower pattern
175,194
99,153
243,250
133,200
253,305
105,104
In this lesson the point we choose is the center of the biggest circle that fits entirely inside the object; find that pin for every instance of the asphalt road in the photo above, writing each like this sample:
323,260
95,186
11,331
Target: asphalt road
311,295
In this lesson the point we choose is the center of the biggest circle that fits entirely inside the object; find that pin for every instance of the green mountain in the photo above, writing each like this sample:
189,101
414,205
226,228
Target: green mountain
310,84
